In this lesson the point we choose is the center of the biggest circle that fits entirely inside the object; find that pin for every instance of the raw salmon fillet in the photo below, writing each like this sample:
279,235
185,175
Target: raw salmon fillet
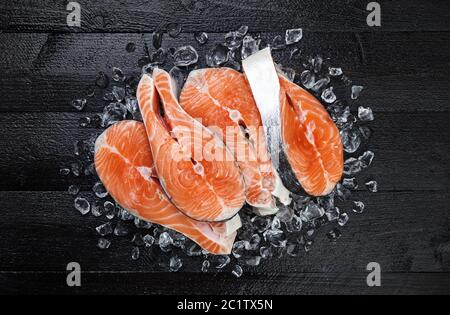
302,137
196,170
124,164
312,142
221,100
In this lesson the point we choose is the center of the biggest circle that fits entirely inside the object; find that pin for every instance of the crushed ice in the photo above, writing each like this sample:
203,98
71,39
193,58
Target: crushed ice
293,229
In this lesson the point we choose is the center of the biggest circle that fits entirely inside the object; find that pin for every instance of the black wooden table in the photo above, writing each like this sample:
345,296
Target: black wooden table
404,65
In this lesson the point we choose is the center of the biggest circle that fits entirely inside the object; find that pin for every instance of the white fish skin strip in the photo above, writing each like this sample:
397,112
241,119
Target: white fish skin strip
265,84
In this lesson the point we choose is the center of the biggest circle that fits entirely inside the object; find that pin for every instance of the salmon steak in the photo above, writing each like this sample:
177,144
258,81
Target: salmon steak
196,170
302,137
124,164
312,142
221,99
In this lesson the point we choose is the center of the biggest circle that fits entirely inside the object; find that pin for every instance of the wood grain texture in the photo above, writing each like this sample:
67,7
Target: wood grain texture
219,16
404,232
401,72
224,285
411,147
404,66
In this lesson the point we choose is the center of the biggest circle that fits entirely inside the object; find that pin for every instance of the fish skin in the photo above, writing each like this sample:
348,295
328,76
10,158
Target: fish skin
307,160
124,164
222,100
205,189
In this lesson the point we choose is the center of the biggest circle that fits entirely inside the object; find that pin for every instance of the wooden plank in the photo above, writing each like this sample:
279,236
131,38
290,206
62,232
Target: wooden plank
218,16
401,72
412,151
403,232
225,285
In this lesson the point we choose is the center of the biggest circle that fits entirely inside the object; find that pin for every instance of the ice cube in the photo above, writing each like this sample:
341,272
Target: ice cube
250,46
102,80
110,209
335,72
275,237
205,265
308,245
328,95
100,190
165,242
104,229
253,243
278,43
222,261
141,224
276,223
173,29
84,122
157,38
185,56
333,214
265,252
79,104
342,192
351,139
352,166
113,113
237,271
117,75
135,253
131,47
308,79
103,243
293,36
73,190
372,186
253,261
64,171
334,234
243,30
217,56
233,40
158,57
292,250
175,264
97,208
261,224
356,91
326,202
119,93
289,73
201,37
319,85
358,207
239,248
121,229
148,240
296,223
317,64
366,159
284,214
125,215
350,183
194,250
343,219
339,114
311,212
365,114
82,205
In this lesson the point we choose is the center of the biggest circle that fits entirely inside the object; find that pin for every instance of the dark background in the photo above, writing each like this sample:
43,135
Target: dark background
404,65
